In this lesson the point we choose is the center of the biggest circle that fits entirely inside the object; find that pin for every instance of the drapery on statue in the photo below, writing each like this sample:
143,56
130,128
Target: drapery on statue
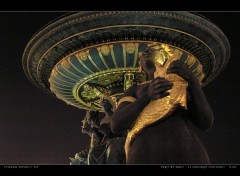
156,113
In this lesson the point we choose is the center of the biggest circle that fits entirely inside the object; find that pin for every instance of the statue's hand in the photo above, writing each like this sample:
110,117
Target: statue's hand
158,88
105,120
106,105
181,69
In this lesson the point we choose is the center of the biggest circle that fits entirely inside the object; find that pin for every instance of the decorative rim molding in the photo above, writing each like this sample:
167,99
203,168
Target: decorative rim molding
79,31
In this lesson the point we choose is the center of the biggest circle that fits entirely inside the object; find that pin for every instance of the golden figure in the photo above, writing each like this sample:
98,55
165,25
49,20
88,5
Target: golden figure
161,108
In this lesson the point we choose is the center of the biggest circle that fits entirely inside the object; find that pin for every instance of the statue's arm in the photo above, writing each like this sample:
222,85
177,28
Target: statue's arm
127,112
87,130
105,129
97,135
199,110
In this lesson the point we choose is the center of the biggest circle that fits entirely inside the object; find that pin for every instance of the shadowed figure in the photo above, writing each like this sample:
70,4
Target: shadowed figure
96,153
93,154
106,147
115,153
170,140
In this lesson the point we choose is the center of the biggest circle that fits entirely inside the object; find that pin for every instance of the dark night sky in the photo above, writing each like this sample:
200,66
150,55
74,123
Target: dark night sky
36,128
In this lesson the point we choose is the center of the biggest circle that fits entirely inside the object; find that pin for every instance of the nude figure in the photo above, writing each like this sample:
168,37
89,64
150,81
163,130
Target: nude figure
170,140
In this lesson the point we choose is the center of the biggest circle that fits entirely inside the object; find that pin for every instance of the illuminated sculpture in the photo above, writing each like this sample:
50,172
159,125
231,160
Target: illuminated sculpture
85,56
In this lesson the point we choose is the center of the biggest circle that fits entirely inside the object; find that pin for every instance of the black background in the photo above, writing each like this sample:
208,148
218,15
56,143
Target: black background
36,128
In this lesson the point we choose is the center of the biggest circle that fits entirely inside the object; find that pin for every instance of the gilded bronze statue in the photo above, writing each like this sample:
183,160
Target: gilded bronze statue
157,112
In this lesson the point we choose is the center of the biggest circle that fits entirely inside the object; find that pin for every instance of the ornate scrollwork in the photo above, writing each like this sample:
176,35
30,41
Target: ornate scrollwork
130,48
105,50
91,92
82,55
109,78
66,64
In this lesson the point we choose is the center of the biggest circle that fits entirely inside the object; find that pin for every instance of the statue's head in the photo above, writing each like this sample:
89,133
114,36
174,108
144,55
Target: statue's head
86,127
146,63
154,54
